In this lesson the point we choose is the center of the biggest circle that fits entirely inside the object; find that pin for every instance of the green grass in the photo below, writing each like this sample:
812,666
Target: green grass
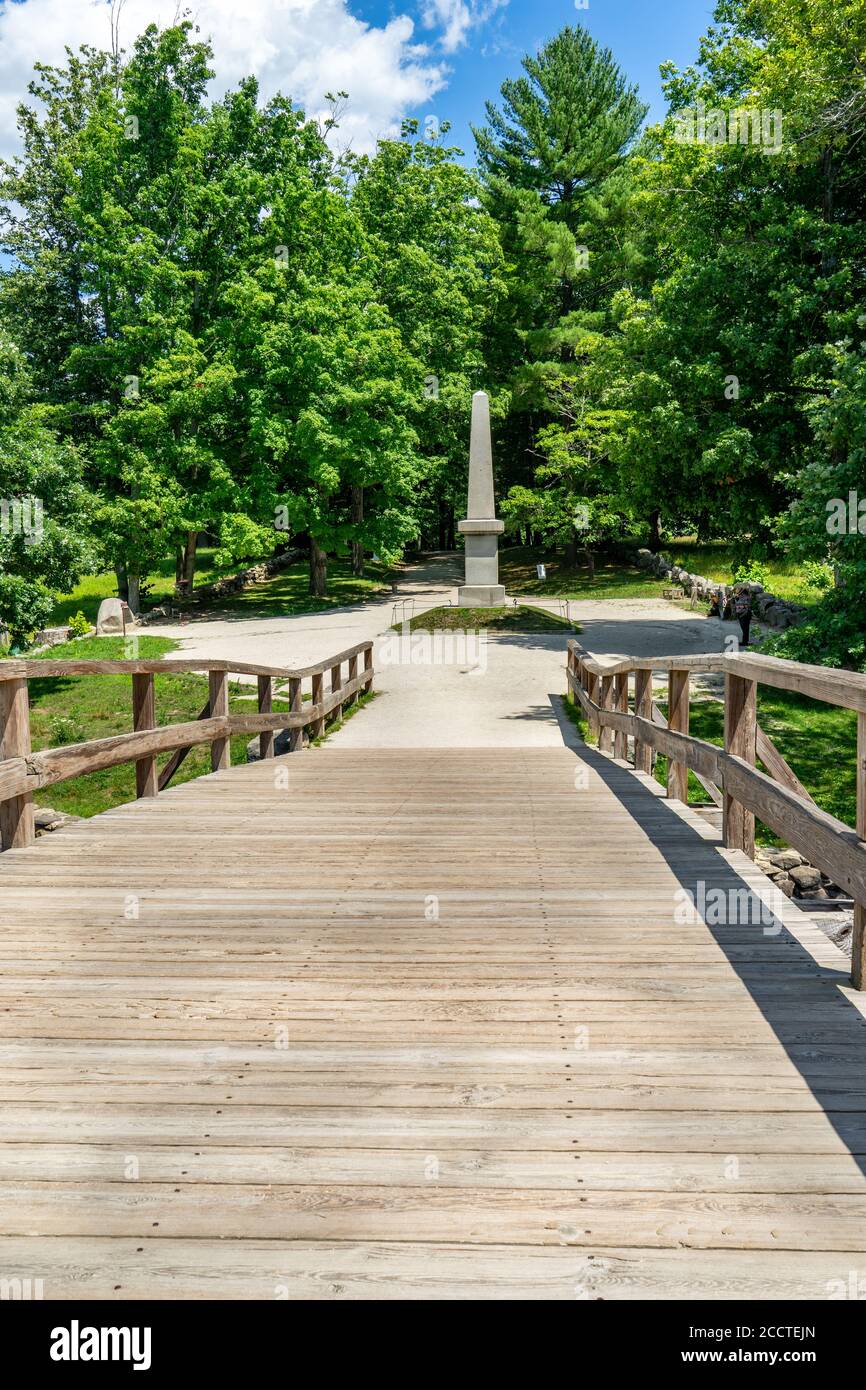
514,619
285,593
93,588
288,592
74,709
715,560
818,741
612,579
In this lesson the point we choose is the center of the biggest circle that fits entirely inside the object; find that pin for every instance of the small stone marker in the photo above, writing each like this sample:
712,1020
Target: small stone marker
114,616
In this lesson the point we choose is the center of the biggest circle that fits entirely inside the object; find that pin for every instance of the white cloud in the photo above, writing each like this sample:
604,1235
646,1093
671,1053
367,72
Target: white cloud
457,17
302,48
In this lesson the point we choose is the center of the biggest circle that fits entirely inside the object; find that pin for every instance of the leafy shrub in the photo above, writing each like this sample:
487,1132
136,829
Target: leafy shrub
818,574
752,572
79,626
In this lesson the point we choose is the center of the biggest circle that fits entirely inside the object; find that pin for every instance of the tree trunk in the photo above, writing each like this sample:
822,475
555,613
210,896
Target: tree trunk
178,568
655,539
571,552
590,562
134,593
357,518
122,583
187,575
318,569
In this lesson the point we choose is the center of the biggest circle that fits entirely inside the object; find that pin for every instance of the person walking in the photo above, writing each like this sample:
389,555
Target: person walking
742,607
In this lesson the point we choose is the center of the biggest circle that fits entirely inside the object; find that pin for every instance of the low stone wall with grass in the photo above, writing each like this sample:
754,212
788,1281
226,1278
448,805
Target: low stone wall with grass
767,608
234,583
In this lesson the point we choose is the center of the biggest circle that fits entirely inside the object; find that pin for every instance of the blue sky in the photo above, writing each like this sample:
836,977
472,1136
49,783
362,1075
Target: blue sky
395,58
641,35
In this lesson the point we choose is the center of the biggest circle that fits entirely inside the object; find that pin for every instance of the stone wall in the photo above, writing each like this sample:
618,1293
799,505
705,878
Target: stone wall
234,583
767,608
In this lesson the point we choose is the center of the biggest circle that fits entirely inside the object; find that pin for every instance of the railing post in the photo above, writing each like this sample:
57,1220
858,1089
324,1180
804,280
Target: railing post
266,706
219,708
620,703
591,686
296,705
368,670
678,722
144,717
336,686
605,735
643,708
17,826
353,675
741,722
858,940
317,728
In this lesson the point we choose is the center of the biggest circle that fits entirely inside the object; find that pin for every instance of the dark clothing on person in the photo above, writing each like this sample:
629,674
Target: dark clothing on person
742,607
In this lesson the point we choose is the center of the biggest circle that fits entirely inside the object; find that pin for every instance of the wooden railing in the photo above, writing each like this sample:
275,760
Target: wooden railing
602,686
22,772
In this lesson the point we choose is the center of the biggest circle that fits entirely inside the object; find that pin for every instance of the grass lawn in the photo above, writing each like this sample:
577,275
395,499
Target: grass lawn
93,588
519,619
612,579
73,709
714,560
285,593
818,741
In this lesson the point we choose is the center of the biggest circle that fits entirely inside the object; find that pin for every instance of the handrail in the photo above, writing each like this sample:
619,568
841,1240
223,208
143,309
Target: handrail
17,668
601,686
22,771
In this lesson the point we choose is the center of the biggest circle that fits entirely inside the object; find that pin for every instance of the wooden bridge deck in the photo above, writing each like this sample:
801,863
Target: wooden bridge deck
241,1059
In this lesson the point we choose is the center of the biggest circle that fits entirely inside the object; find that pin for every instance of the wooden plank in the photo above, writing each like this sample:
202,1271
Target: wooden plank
110,1268
336,684
607,724
17,828
738,827
858,942
353,677
317,726
144,717
643,708
10,670
777,766
678,723
180,754
620,700
266,706
284,1053
296,736
220,752
844,688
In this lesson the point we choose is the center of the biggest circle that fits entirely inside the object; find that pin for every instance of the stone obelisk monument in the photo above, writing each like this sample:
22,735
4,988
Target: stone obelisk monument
481,529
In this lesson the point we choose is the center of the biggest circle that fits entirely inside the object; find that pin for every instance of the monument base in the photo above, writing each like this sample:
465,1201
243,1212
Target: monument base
481,596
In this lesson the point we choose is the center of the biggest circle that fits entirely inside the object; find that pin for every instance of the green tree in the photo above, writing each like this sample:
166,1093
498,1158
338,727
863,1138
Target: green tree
44,508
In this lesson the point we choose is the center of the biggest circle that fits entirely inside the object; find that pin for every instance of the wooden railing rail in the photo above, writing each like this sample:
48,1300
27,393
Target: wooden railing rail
600,685
22,772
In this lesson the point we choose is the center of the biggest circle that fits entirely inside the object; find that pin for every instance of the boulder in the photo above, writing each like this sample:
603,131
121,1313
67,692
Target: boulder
114,616
47,820
806,877
784,858
785,884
